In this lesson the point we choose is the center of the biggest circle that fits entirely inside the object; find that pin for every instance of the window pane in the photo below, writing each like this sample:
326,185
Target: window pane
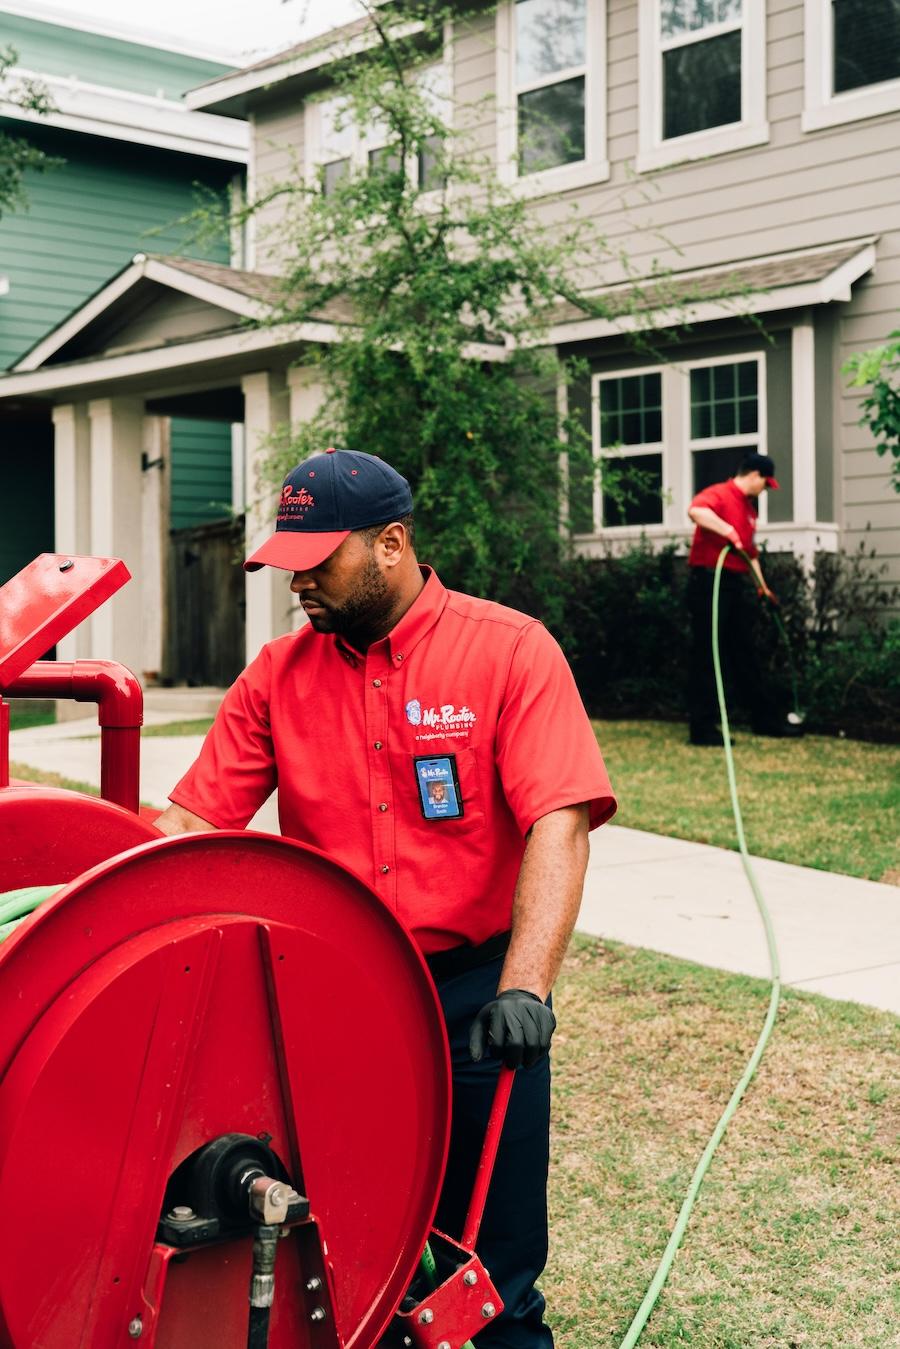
550,36
631,410
431,176
384,160
551,126
724,400
632,490
687,16
748,419
716,465
702,85
332,175
866,42
725,419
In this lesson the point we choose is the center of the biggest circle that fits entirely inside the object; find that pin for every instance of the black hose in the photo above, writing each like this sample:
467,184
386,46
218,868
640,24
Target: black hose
258,1328
262,1284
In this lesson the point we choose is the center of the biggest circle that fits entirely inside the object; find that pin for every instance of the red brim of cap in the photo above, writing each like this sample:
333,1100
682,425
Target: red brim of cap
292,551
772,482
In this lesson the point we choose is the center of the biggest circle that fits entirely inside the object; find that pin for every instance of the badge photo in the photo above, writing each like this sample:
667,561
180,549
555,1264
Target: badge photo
438,783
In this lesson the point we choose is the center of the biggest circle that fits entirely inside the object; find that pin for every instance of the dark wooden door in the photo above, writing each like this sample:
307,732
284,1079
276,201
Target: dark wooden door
206,604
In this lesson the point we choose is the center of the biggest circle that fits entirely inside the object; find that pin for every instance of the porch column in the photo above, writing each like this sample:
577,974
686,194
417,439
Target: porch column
266,407
72,503
803,420
306,394
116,524
155,542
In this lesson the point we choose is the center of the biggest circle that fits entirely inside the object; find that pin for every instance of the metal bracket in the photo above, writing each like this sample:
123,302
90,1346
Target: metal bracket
147,463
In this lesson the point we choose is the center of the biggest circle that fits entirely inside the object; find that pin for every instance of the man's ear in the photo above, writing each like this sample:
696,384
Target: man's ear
393,543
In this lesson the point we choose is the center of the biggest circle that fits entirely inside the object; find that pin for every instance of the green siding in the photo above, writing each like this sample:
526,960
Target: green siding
201,471
85,221
53,49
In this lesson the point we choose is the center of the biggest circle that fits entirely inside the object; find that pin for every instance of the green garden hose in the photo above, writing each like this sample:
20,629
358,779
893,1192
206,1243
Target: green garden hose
18,904
665,1264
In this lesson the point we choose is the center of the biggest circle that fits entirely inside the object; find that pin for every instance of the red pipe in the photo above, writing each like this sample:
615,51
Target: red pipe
120,714
487,1159
4,743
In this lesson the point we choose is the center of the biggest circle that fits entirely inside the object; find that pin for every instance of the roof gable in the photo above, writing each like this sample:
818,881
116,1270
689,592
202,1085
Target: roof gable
152,302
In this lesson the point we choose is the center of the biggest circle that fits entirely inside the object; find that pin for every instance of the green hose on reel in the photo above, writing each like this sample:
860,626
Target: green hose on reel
16,905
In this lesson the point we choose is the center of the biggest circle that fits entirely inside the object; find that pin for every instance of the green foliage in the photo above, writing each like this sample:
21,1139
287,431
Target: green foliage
17,154
444,284
880,368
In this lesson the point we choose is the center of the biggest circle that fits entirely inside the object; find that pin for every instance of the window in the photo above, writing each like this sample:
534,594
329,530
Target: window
629,442
660,434
335,144
702,78
852,60
725,418
551,92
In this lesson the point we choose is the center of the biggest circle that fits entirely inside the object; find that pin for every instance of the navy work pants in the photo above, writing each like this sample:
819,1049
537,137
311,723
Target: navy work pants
512,1243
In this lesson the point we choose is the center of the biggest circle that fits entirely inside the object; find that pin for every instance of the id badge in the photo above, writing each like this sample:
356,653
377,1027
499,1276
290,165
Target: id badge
438,782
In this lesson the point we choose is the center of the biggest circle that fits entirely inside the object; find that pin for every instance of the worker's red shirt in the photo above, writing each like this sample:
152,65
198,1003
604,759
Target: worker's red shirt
733,506
340,733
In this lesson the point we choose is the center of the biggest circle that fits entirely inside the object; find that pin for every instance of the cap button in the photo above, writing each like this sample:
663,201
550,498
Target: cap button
330,450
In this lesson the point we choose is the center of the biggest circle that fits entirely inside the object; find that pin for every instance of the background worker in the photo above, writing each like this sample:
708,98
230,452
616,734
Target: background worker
726,512
394,684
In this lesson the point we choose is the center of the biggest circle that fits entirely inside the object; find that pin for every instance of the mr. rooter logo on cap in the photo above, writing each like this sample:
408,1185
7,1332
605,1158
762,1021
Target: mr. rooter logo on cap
295,503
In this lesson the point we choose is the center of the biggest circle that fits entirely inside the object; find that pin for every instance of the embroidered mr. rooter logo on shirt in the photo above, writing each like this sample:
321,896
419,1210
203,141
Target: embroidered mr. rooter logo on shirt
447,720
295,502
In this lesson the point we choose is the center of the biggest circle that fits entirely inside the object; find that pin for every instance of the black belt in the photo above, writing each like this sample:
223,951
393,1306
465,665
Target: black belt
460,959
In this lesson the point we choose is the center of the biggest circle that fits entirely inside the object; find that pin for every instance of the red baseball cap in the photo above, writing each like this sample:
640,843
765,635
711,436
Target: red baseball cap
323,500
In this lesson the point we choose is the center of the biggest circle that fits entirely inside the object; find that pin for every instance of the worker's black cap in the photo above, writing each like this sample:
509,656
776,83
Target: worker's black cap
760,463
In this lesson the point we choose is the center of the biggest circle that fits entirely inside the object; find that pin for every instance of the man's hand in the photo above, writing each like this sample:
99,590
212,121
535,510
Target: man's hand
734,538
765,593
515,1027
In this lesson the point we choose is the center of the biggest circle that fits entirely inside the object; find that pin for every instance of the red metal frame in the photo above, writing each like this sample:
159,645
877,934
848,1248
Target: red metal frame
120,713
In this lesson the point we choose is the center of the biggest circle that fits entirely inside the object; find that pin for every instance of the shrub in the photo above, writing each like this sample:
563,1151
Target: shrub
626,633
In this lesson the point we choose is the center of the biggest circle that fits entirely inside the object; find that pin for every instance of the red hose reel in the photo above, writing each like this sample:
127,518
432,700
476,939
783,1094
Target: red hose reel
184,1131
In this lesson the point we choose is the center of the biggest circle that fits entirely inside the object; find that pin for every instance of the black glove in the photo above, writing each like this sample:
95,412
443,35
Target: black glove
515,1026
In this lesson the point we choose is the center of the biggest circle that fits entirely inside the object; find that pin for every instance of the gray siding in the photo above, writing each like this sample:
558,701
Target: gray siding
278,157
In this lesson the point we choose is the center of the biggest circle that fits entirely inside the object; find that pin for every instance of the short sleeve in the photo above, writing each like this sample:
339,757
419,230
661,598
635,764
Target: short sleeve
546,751
708,497
235,771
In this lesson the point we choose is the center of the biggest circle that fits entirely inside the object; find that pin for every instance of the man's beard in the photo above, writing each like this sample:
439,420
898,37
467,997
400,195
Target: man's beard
364,615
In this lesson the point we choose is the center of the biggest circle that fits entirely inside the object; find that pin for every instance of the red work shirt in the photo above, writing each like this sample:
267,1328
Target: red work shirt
733,506
459,680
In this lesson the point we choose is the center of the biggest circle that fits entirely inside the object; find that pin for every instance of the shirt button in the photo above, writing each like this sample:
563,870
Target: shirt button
399,655
385,870
376,683
383,806
378,744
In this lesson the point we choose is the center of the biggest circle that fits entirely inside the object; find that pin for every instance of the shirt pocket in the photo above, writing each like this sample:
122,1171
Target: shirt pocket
468,772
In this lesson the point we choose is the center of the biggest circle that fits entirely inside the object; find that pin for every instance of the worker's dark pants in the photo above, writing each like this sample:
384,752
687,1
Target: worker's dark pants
739,661
513,1239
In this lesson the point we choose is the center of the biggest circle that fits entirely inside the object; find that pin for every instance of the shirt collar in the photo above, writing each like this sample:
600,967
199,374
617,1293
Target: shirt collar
418,620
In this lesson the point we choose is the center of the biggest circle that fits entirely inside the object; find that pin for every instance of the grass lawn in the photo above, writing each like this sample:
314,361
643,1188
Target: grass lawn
197,727
22,718
820,802
793,1241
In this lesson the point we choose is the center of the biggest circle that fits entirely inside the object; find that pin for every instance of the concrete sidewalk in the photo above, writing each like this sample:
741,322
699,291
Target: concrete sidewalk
836,935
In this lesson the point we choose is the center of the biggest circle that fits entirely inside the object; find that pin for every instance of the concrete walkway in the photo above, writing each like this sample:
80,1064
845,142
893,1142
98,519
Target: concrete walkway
836,935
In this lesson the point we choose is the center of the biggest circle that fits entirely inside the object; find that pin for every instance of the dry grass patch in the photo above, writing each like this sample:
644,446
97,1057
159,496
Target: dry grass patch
793,1242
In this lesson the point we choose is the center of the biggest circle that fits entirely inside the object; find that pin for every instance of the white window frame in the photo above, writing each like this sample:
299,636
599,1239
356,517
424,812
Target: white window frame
822,107
599,453
594,168
761,435
752,129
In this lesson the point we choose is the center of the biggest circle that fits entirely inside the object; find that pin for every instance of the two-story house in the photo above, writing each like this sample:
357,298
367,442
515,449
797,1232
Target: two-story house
751,146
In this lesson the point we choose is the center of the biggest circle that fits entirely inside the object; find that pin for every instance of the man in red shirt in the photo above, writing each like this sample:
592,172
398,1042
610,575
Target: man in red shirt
396,685
726,512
